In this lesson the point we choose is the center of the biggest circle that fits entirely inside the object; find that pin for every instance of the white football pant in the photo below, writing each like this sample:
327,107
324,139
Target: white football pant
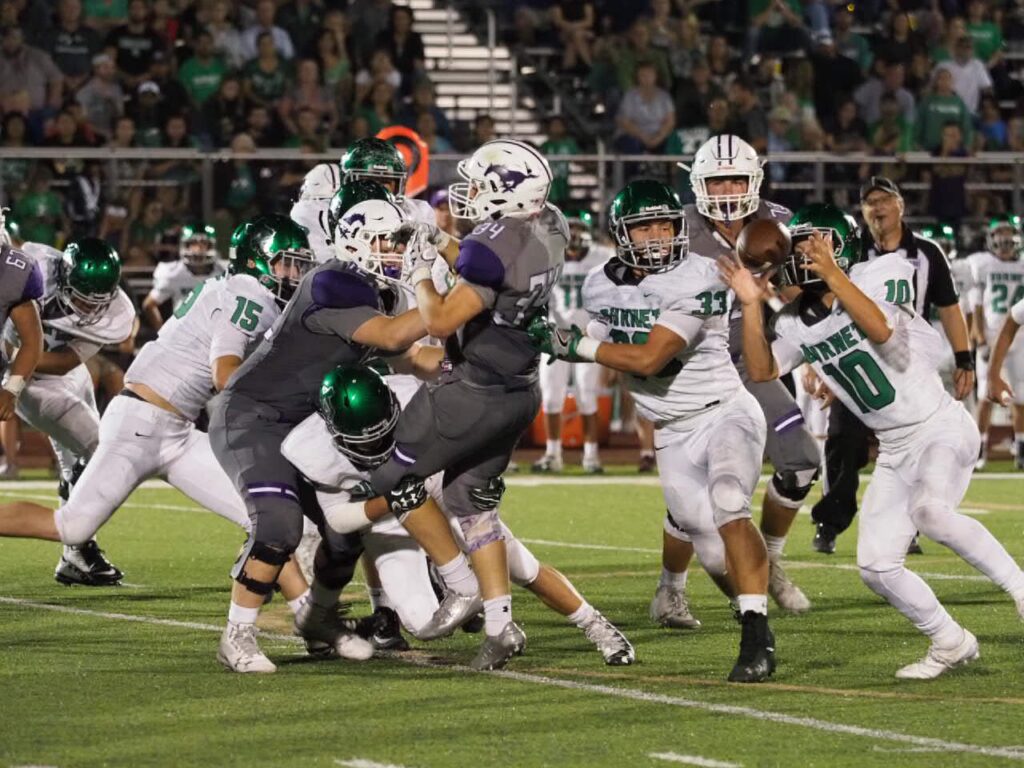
64,409
138,441
554,384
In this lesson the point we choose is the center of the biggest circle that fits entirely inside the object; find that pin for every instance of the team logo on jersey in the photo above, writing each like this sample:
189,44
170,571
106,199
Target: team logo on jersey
510,179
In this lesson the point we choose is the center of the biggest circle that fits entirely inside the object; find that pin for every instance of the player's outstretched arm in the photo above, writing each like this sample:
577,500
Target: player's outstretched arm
25,317
998,390
151,311
392,334
751,292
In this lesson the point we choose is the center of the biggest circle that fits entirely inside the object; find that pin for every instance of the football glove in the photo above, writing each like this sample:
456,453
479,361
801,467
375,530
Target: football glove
489,497
409,494
569,344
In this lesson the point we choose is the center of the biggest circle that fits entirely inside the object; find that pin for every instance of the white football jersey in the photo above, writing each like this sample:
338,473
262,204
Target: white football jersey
222,316
312,214
1017,312
893,387
60,330
689,300
998,286
566,302
418,210
174,280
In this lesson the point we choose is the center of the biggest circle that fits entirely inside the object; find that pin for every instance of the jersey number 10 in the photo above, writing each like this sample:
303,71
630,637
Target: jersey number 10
865,383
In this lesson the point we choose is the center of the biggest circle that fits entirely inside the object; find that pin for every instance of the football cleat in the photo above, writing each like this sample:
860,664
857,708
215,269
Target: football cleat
671,608
547,463
327,625
9,471
938,661
756,661
240,652
87,566
647,464
914,548
981,462
787,595
613,645
383,629
498,649
592,467
824,539
451,614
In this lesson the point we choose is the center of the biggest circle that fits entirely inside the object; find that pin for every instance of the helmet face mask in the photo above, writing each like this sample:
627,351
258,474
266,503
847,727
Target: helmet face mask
726,157
361,413
843,233
197,248
581,238
363,237
1004,238
375,160
648,225
87,279
502,178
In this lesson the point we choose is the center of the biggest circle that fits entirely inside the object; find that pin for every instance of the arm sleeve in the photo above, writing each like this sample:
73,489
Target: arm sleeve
480,265
1017,312
342,301
941,289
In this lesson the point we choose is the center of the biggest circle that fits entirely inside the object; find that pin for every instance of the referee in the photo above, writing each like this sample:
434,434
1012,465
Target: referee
846,444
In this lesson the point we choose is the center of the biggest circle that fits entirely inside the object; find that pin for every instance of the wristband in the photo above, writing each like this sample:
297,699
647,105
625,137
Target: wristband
963,360
586,348
419,275
14,384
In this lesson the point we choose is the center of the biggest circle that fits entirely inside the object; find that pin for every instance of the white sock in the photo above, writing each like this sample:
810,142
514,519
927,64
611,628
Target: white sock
673,580
755,603
295,605
554,448
497,613
238,614
590,451
645,452
774,544
458,576
583,615
324,597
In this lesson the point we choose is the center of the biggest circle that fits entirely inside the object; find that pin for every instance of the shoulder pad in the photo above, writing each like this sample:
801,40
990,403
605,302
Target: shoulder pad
337,285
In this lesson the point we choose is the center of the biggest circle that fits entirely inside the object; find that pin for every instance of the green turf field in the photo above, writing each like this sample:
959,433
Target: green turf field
128,676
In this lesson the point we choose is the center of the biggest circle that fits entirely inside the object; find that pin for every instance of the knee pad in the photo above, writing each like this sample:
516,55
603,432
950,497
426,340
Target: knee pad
263,553
481,529
673,529
789,488
728,500
523,566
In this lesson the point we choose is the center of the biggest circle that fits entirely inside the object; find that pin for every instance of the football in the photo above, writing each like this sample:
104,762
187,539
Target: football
763,243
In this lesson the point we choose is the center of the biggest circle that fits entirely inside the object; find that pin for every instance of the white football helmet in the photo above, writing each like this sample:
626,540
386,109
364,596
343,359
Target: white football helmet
723,157
320,183
363,237
503,178
5,236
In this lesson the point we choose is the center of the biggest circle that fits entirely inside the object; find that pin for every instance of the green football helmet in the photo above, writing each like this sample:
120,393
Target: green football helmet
361,413
944,235
273,249
197,247
87,279
820,217
581,233
352,193
639,204
375,160
1003,235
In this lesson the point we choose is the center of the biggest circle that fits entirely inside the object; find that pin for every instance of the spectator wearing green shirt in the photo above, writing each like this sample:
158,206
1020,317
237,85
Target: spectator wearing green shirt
986,34
848,43
105,14
267,76
940,107
201,74
891,134
637,51
776,26
559,144
39,211
956,28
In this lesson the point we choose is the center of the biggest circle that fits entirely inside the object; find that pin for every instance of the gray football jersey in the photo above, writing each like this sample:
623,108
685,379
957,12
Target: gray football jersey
312,335
21,280
513,264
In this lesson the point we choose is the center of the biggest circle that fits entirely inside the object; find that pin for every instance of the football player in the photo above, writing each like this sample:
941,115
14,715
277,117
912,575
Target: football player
581,256
354,433
960,268
149,430
857,326
21,286
659,314
468,424
998,390
998,277
334,315
174,280
726,178
82,310
310,210
376,160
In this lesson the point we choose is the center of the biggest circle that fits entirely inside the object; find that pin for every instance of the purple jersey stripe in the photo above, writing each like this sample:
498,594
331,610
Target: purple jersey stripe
404,458
284,490
791,420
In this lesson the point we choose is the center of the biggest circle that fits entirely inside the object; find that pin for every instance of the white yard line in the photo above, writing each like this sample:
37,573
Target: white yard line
633,694
358,762
703,762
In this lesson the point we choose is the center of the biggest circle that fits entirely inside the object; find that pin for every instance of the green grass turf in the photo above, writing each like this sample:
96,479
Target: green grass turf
79,689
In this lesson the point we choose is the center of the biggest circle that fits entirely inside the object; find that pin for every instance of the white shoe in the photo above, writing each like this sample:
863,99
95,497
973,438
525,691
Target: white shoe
240,652
9,472
326,625
787,595
980,463
548,463
941,660
670,608
592,466
305,553
613,645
